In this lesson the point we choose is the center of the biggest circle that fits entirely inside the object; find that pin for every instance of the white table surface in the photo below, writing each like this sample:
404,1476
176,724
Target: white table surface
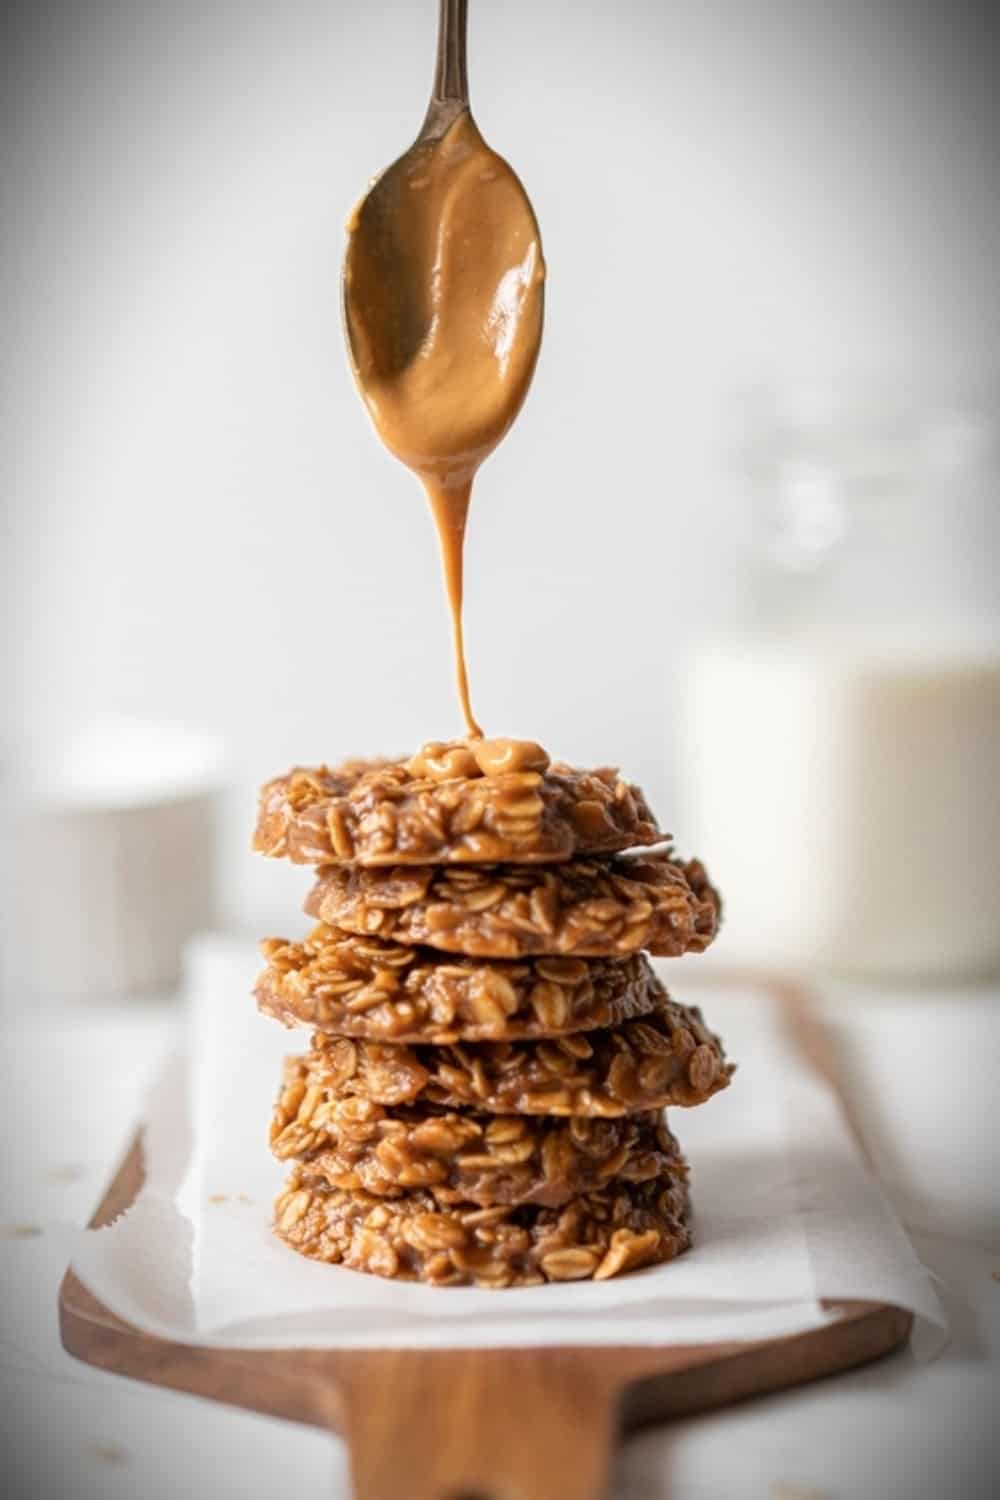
74,1081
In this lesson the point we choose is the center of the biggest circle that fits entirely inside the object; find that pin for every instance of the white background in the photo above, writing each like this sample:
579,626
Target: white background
201,525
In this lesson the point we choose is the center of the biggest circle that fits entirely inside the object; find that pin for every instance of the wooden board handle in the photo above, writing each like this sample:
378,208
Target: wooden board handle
501,1424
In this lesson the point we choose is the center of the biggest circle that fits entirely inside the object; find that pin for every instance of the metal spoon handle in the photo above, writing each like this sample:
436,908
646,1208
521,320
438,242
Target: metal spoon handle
450,95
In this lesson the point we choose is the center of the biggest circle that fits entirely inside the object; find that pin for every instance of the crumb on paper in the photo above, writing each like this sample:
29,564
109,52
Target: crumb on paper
218,1198
244,1198
20,1231
781,1491
108,1453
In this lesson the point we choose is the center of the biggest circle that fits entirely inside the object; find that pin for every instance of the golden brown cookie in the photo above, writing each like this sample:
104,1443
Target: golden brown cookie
356,986
669,1057
583,908
440,807
617,1228
356,1144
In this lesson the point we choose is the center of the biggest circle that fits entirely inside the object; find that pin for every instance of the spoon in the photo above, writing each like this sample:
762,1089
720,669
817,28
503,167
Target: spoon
443,301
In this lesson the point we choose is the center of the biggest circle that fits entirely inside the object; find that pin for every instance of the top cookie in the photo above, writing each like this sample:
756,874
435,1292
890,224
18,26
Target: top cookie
457,803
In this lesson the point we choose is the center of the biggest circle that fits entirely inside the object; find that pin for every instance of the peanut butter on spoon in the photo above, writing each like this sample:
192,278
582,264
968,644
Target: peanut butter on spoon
443,297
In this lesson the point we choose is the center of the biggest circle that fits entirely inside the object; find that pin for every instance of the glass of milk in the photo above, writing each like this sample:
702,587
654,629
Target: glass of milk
840,756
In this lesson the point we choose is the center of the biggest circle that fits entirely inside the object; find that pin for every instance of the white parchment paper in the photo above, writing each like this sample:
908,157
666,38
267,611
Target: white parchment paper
785,1212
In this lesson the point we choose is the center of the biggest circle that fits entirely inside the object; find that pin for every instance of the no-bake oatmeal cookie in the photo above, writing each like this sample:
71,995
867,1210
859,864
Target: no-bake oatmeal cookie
358,1144
584,908
597,1235
450,804
365,987
667,1058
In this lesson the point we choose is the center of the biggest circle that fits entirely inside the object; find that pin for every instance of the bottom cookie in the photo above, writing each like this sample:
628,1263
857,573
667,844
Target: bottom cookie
617,1228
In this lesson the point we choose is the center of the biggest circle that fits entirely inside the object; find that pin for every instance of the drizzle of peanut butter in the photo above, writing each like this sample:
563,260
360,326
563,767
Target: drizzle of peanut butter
496,757
443,301
441,761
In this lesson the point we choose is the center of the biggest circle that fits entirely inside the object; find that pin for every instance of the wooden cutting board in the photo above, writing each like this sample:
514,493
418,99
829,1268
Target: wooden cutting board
471,1424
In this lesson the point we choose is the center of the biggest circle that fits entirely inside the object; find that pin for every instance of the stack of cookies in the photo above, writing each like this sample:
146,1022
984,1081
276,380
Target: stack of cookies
482,1102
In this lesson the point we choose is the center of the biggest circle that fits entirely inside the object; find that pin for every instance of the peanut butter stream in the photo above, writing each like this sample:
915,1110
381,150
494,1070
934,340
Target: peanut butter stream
443,297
